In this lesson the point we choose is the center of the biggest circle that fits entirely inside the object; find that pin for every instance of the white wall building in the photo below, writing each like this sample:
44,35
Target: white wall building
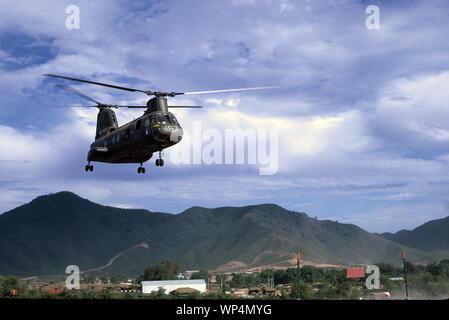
170,285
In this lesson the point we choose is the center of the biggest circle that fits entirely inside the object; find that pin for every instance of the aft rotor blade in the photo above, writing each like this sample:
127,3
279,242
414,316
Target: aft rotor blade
78,93
185,106
98,83
230,90
74,106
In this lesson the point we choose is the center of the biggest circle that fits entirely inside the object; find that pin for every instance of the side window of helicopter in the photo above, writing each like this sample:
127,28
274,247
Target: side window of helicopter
147,123
173,119
167,118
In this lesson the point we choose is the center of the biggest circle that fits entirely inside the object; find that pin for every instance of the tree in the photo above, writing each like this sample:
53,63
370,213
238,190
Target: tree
88,279
305,292
434,269
389,269
164,270
311,274
117,278
202,274
343,285
8,284
285,276
444,265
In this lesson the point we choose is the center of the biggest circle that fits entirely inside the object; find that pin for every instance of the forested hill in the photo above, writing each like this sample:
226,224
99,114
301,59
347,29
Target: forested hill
56,230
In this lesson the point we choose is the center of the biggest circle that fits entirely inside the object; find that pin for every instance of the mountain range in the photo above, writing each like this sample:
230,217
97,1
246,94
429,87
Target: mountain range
53,231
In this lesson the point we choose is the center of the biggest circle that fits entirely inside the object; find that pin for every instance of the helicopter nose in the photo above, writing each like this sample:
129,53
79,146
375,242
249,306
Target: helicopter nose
176,135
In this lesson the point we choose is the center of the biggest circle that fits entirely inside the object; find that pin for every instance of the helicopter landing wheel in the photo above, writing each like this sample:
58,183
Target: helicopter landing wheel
141,169
89,168
159,162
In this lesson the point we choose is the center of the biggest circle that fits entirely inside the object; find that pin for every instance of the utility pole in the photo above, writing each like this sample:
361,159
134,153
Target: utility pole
297,277
405,274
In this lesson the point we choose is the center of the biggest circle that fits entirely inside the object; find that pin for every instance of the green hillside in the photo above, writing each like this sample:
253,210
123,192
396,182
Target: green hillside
431,236
53,231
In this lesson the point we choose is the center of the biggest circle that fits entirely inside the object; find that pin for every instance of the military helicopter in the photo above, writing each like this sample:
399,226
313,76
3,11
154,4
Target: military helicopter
136,141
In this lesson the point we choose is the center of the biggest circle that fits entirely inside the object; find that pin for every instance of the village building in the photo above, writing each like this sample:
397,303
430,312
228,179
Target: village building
170,285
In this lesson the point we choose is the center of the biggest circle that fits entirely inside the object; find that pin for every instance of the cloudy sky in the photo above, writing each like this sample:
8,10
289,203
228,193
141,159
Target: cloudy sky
361,114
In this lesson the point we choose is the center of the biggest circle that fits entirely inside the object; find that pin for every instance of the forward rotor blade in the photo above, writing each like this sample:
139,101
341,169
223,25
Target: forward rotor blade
230,90
185,107
78,93
101,105
98,83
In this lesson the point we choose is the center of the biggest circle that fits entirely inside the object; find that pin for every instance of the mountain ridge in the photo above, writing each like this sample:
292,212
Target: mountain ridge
53,231
432,235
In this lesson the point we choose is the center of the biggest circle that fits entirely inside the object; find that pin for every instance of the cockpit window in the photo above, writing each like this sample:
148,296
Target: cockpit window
159,119
172,119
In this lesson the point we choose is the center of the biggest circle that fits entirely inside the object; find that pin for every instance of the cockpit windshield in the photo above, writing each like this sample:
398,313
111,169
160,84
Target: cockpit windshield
172,119
160,119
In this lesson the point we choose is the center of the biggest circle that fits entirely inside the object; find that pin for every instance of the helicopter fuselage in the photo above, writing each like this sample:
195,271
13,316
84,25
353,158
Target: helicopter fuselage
136,141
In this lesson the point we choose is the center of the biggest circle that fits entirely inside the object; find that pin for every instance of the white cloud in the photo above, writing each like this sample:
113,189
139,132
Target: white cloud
400,196
31,153
414,111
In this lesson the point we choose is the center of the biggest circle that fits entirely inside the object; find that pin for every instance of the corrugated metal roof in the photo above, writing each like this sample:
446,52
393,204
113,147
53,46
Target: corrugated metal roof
172,282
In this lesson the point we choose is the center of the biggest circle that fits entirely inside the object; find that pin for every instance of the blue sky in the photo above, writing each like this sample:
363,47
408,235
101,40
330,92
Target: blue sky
361,114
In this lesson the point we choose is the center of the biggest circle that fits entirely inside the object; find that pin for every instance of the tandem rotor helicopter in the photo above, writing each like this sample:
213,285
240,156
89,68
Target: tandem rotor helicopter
136,141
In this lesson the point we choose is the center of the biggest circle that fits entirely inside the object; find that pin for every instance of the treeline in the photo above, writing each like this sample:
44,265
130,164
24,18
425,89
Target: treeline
12,288
429,281
424,281
314,283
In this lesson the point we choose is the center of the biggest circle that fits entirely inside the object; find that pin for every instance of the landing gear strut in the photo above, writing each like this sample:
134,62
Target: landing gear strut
160,161
89,167
141,169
